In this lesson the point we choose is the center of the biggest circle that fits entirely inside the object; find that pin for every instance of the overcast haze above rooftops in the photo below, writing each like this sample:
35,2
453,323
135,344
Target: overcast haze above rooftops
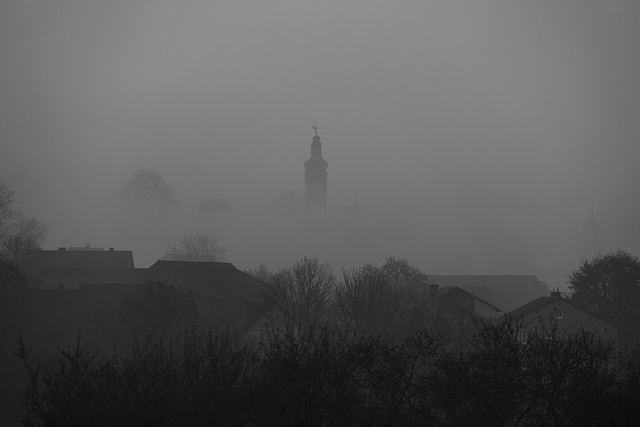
484,128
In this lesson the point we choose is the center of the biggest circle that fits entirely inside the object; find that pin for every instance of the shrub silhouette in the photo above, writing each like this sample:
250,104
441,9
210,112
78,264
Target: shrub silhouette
330,377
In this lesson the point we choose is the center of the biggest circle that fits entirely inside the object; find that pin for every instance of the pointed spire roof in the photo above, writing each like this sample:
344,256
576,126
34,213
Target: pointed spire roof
591,226
316,162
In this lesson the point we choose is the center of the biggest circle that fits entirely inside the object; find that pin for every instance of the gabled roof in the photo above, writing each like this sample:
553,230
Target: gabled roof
186,257
234,293
538,303
213,280
72,278
446,291
506,292
35,263
542,302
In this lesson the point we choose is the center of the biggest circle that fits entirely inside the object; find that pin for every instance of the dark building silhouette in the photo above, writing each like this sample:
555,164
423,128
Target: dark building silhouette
555,311
69,267
507,292
315,180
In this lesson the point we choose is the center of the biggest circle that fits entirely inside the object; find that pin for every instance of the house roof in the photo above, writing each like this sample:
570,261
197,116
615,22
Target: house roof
213,280
187,257
71,278
217,283
445,291
505,292
541,302
82,258
41,263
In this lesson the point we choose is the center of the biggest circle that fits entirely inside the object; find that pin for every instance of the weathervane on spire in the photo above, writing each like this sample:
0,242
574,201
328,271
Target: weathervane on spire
315,127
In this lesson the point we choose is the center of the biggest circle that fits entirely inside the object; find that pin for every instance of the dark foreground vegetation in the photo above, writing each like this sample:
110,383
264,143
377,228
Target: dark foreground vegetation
490,378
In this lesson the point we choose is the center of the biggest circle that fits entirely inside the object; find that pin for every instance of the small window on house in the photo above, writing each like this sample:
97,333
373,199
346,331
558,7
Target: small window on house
523,337
558,312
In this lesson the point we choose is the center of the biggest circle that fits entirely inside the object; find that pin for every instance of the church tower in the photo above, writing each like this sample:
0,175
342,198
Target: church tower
592,239
315,180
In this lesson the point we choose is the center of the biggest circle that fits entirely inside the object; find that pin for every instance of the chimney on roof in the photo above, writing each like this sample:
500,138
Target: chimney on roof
433,289
556,293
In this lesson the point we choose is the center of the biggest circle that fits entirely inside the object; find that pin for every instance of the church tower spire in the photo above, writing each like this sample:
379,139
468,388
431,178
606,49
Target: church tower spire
315,179
592,239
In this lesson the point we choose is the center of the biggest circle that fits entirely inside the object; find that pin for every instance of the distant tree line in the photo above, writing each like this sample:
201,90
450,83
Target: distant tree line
333,377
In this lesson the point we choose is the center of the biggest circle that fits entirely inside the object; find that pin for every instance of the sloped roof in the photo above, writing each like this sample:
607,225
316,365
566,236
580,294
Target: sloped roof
186,257
216,283
538,303
37,264
541,302
211,279
505,292
444,291
72,278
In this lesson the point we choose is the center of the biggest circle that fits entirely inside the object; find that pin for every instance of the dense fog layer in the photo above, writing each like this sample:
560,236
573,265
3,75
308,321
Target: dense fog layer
472,135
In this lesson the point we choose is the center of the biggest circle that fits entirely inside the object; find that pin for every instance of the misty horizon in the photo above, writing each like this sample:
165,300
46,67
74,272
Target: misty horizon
473,136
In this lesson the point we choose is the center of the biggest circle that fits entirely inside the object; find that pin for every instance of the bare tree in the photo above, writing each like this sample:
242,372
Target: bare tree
303,294
7,210
24,235
388,299
17,233
196,247
367,301
407,278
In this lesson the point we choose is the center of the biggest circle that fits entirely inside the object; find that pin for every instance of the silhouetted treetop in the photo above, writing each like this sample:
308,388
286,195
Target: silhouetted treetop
148,187
609,285
196,247
18,234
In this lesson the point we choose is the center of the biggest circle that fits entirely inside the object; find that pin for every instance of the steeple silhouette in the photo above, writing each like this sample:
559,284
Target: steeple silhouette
315,179
592,238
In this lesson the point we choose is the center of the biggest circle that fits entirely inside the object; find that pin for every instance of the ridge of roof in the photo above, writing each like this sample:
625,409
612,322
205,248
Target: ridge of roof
546,300
230,282
443,290
538,303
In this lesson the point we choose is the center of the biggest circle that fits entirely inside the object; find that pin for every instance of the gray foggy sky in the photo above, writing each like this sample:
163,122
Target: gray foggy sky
477,120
